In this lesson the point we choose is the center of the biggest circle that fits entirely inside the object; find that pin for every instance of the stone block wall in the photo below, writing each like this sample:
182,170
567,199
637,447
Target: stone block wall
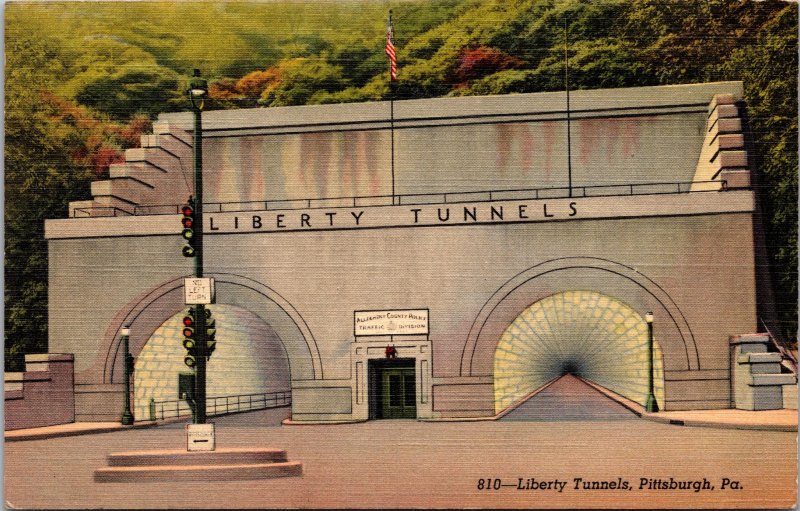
758,381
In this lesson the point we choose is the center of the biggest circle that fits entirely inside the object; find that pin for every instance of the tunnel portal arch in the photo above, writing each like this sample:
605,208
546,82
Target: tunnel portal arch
148,311
249,363
585,333
610,278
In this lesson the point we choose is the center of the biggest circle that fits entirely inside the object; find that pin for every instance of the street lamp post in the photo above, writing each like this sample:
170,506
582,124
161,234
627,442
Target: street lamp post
127,358
651,405
198,90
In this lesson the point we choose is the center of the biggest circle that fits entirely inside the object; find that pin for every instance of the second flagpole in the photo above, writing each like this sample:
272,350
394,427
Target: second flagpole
390,51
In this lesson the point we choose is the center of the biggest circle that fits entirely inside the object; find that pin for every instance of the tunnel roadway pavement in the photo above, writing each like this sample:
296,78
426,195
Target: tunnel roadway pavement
405,463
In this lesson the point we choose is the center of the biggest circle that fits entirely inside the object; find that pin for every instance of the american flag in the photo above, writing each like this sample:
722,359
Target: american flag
390,49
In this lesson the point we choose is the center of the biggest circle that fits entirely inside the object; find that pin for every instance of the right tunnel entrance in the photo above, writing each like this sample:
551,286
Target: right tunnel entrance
581,333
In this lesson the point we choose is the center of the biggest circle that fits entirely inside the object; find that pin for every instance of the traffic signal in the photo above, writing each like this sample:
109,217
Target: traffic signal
188,228
211,333
189,342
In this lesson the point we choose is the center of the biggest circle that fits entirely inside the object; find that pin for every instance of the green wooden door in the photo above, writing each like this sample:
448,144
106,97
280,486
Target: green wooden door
399,393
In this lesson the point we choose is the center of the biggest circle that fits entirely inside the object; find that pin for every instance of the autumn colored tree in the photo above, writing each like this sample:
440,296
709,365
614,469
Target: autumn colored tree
478,62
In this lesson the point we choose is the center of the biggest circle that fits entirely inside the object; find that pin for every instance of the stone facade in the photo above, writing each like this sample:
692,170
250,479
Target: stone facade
303,230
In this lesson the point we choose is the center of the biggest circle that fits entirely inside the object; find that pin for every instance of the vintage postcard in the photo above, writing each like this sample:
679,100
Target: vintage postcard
401,254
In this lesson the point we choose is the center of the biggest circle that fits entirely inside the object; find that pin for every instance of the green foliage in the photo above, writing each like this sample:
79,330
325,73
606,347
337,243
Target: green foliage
83,79
39,180
769,71
300,80
133,90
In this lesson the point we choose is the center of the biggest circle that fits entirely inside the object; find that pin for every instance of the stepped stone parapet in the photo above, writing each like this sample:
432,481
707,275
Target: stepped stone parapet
152,174
723,157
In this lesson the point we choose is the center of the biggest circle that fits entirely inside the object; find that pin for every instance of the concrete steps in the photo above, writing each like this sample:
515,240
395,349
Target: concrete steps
182,457
180,465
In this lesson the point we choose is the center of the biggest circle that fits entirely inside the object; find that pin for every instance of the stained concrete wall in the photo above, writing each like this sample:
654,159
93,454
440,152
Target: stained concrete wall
619,136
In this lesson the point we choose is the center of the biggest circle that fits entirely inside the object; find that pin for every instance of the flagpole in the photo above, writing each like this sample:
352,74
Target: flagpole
566,85
391,124
392,68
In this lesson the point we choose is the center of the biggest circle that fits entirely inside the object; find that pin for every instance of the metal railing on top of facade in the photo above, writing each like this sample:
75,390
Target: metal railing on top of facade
102,211
561,192
221,405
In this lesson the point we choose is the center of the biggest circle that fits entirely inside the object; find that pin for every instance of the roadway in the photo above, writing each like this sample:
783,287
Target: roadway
405,463
569,399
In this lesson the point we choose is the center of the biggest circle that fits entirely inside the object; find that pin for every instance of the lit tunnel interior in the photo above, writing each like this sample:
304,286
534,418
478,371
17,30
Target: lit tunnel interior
584,333
249,359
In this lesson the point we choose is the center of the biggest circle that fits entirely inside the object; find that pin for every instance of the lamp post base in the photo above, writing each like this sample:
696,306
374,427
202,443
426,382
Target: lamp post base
651,406
127,419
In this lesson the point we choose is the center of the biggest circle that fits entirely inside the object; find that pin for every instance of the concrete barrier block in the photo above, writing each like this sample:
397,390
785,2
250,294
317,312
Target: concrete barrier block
766,380
731,159
756,358
734,179
131,190
765,368
730,141
155,156
728,126
727,111
165,128
749,339
144,173
767,398
752,348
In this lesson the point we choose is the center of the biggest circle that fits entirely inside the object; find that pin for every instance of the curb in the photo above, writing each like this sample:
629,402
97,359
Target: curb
290,422
38,435
698,423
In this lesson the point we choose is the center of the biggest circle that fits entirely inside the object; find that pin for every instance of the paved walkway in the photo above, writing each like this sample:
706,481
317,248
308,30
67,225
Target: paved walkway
72,429
765,420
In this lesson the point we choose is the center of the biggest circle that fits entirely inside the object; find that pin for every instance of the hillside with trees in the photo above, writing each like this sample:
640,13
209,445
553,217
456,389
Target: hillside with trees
85,79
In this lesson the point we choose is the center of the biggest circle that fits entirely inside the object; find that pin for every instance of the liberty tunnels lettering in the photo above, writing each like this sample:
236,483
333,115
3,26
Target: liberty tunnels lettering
493,214
345,218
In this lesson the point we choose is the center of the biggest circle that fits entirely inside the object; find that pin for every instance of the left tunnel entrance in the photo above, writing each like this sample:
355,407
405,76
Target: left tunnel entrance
248,370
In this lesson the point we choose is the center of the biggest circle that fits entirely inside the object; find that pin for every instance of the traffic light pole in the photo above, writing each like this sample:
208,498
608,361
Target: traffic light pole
200,328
